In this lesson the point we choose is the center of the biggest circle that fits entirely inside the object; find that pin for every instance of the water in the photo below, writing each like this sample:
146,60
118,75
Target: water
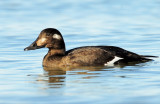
133,25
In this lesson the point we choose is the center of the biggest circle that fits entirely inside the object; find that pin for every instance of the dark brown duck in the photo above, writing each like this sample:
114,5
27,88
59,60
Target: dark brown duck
57,55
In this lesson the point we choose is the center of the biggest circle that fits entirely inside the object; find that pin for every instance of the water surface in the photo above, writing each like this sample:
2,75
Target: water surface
133,25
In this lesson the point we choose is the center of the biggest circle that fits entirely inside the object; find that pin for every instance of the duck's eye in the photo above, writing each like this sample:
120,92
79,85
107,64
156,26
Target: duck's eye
47,34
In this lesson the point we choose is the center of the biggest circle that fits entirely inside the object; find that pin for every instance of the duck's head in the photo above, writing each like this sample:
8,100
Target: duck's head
50,38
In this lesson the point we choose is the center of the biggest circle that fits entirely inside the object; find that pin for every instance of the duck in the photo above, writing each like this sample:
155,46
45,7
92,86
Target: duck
57,55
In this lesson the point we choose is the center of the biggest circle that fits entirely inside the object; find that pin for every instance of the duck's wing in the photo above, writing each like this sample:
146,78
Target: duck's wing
89,56
103,55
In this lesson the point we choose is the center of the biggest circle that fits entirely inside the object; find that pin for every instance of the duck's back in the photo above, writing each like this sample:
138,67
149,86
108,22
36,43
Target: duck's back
99,55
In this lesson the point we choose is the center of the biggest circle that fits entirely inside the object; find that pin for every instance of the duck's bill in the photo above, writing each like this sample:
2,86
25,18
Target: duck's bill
33,46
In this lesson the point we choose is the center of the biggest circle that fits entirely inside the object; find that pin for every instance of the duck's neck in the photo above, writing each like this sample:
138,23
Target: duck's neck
54,52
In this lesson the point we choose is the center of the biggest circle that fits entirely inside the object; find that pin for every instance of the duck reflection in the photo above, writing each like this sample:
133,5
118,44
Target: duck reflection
56,76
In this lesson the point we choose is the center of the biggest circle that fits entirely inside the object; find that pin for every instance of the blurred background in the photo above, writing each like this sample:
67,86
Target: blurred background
131,24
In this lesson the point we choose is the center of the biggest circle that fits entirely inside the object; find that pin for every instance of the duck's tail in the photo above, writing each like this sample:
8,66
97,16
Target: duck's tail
148,56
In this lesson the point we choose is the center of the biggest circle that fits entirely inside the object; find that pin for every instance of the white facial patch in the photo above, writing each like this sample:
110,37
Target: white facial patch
43,40
56,36
111,63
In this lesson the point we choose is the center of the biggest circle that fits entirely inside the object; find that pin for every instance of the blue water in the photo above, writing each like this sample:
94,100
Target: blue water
133,25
